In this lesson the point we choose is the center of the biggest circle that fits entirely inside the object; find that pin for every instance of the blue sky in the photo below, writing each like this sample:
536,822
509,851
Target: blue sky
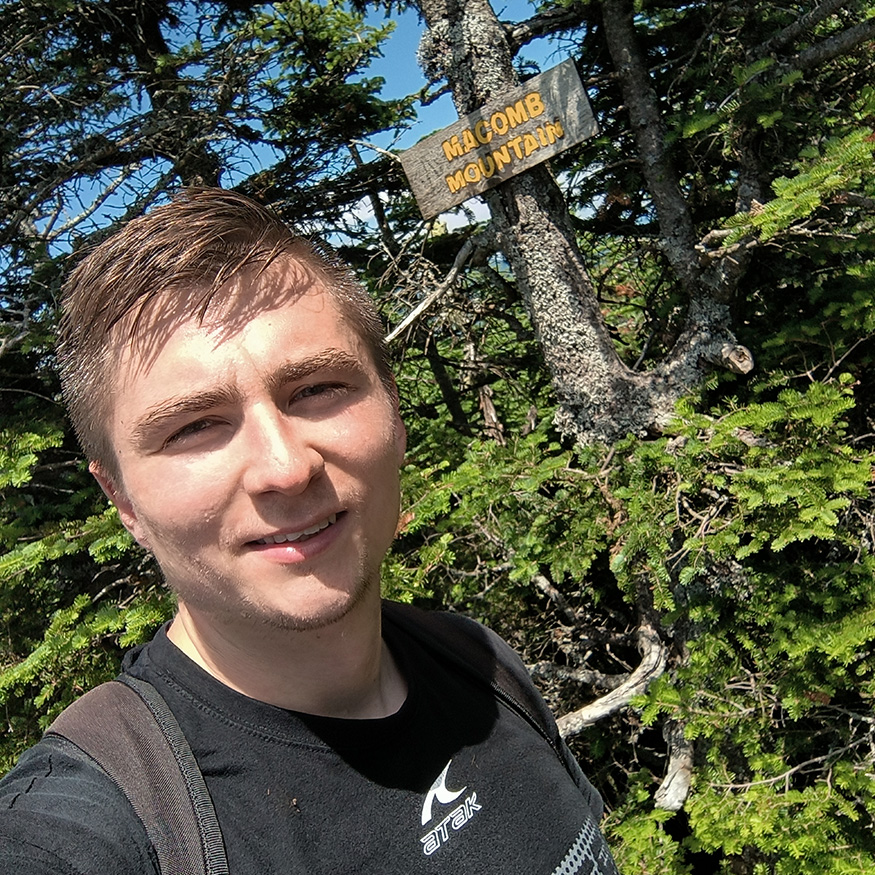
402,75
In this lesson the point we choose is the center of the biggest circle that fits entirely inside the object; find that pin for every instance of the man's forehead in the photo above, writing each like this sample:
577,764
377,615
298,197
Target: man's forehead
223,312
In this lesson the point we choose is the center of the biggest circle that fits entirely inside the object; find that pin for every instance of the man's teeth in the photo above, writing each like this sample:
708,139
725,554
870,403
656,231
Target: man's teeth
296,536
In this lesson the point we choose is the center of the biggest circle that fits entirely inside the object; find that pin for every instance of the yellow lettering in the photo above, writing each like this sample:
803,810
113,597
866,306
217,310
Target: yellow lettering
515,145
468,140
502,157
516,114
530,144
472,172
499,122
542,137
456,181
452,148
534,104
482,132
554,130
487,166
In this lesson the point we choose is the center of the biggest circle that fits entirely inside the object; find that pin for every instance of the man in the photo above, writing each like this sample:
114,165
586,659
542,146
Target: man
229,384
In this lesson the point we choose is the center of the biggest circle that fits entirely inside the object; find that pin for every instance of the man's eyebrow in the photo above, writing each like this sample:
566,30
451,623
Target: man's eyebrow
288,372
328,359
174,408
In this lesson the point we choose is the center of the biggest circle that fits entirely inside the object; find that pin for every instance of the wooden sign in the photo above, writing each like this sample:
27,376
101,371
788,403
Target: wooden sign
522,128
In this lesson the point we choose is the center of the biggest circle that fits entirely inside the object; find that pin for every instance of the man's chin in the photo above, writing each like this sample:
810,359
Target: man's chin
303,621
324,609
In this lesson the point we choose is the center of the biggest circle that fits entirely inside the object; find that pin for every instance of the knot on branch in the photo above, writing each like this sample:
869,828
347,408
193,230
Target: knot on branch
733,357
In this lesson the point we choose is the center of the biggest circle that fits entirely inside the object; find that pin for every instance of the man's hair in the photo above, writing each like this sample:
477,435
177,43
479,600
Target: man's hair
177,258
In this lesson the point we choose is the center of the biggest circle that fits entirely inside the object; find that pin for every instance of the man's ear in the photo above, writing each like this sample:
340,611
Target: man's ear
399,429
400,438
122,503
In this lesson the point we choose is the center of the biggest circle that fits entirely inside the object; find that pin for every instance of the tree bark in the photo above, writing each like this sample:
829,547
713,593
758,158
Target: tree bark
600,398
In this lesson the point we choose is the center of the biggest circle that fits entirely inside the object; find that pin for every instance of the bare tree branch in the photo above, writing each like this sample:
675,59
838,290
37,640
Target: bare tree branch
797,28
675,223
654,655
373,195
856,200
556,597
553,20
449,281
553,672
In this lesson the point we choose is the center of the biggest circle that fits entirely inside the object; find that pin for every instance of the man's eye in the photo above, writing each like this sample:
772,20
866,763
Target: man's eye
319,389
189,430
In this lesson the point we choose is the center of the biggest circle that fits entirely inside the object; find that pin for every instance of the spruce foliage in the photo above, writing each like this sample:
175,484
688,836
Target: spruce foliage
741,533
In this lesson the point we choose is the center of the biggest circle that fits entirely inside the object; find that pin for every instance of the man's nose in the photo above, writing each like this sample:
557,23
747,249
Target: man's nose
280,457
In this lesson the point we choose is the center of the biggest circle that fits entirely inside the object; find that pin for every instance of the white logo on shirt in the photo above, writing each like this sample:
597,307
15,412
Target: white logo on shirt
439,791
455,820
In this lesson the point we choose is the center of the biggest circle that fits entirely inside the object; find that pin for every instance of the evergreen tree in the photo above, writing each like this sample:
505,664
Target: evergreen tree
646,459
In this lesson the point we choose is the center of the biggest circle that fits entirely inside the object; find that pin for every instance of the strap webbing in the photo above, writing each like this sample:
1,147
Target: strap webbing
128,729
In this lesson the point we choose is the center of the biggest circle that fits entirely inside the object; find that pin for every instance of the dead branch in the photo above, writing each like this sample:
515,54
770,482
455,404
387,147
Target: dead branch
449,281
675,223
654,655
733,357
798,27
855,200
552,672
556,597
544,24
675,787
840,44
373,195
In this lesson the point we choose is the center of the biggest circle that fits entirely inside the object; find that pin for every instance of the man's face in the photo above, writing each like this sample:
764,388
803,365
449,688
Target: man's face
260,466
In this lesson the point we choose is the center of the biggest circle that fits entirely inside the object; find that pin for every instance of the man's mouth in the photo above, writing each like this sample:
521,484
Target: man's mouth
288,537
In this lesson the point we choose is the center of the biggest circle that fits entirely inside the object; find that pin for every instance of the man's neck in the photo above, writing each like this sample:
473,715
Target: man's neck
341,670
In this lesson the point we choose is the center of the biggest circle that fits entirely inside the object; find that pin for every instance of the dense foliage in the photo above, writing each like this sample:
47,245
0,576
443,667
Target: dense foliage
732,548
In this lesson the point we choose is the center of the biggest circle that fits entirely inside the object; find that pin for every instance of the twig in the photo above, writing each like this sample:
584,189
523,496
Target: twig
449,281
784,776
555,596
386,152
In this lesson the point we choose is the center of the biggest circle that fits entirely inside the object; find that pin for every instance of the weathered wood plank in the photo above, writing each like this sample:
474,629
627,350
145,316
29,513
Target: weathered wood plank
522,128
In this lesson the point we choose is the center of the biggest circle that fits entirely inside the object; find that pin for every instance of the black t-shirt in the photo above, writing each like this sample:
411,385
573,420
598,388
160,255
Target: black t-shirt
452,783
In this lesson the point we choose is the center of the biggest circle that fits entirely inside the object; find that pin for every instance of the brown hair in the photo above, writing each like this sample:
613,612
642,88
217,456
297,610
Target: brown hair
178,257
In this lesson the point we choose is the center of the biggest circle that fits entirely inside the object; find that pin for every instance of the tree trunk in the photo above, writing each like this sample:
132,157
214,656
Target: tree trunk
599,397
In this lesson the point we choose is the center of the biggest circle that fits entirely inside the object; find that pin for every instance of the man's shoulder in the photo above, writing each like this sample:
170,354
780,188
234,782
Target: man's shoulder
461,638
60,813
479,652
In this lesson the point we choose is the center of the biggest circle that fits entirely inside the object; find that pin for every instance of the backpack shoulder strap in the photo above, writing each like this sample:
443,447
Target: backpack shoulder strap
127,728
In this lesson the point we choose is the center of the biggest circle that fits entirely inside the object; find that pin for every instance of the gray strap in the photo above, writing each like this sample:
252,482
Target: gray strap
128,729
